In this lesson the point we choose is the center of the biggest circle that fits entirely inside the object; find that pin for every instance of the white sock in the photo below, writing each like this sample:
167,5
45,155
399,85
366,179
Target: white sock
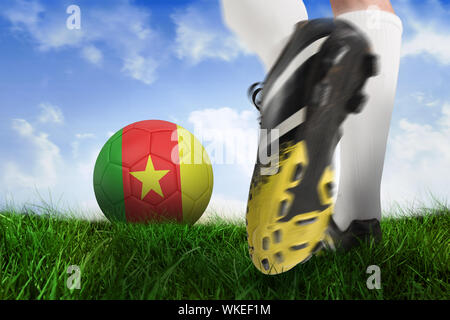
264,26
363,145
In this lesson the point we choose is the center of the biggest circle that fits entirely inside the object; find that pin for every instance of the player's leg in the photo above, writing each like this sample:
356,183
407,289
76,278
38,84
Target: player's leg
344,6
363,145
263,25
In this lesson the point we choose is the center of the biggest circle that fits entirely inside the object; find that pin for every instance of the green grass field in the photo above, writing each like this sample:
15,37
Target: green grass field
210,261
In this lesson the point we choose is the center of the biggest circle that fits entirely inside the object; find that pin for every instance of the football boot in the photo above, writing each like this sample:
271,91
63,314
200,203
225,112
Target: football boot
315,83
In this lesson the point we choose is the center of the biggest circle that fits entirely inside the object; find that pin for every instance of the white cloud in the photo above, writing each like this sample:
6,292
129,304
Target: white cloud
418,161
44,175
444,121
50,114
140,68
86,167
430,41
231,139
418,96
430,31
27,17
229,136
224,207
198,36
432,103
125,29
92,54
22,127
121,28
24,14
85,135
75,147
425,99
76,144
41,171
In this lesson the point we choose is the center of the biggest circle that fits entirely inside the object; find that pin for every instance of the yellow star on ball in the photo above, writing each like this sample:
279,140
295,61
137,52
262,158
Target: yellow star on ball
150,178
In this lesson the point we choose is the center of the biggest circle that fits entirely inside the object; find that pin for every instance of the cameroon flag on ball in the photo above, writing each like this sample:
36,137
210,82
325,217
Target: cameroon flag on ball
153,171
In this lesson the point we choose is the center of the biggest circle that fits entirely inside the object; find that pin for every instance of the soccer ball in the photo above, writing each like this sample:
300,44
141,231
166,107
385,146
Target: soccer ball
153,171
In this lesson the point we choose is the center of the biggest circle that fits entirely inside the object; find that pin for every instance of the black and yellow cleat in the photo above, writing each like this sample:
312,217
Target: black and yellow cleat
315,83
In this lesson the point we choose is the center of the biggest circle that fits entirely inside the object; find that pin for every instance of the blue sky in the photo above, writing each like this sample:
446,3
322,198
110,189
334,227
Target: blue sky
63,92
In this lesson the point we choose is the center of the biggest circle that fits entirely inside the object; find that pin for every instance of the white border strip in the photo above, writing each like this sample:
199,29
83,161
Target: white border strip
300,59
